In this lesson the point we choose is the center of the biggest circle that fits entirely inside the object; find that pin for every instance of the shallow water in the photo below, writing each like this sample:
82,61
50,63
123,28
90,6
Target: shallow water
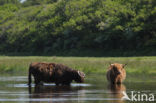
94,90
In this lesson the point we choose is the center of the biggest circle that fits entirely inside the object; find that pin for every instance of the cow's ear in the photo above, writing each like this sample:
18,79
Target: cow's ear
111,65
123,65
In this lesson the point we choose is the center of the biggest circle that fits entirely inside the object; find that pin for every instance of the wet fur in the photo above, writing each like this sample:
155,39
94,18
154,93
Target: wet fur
52,72
116,73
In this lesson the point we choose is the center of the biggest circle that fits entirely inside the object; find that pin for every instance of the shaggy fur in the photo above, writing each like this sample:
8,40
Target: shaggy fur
52,72
116,88
116,73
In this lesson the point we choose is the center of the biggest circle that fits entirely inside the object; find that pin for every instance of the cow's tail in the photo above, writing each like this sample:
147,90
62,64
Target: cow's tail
29,76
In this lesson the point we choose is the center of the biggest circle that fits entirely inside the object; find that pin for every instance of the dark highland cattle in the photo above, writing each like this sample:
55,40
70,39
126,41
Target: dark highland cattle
116,73
52,72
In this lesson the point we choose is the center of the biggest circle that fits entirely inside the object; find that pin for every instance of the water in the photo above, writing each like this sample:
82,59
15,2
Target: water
94,90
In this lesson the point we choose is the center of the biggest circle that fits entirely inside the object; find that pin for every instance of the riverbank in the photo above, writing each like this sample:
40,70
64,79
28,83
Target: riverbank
89,65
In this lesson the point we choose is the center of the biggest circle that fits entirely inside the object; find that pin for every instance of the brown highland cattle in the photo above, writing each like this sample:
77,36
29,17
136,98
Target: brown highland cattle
116,73
54,73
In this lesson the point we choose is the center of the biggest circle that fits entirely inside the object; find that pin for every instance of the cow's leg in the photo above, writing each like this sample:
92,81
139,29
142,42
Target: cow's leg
41,83
57,83
37,81
67,83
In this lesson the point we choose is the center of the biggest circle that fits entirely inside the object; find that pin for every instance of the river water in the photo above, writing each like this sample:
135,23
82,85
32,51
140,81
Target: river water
96,89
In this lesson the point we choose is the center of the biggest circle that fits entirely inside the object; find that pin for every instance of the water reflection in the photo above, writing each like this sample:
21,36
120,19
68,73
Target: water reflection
59,94
116,91
95,90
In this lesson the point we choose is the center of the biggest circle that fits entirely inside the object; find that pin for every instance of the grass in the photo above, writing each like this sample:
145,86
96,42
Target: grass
135,65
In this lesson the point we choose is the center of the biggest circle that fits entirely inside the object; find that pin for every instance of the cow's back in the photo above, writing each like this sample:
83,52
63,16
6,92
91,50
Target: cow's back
42,70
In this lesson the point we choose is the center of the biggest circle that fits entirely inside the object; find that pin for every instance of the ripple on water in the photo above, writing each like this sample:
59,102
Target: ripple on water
59,99
13,78
45,84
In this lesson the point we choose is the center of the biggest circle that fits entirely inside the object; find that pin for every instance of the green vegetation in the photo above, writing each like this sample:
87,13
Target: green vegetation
52,26
90,65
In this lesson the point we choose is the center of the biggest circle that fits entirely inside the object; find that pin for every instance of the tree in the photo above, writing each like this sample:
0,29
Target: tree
46,26
37,2
2,2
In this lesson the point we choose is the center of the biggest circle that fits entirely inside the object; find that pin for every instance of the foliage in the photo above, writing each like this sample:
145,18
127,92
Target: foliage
2,2
57,25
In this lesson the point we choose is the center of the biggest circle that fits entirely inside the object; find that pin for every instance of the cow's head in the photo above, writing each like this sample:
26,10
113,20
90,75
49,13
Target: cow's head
117,68
79,77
